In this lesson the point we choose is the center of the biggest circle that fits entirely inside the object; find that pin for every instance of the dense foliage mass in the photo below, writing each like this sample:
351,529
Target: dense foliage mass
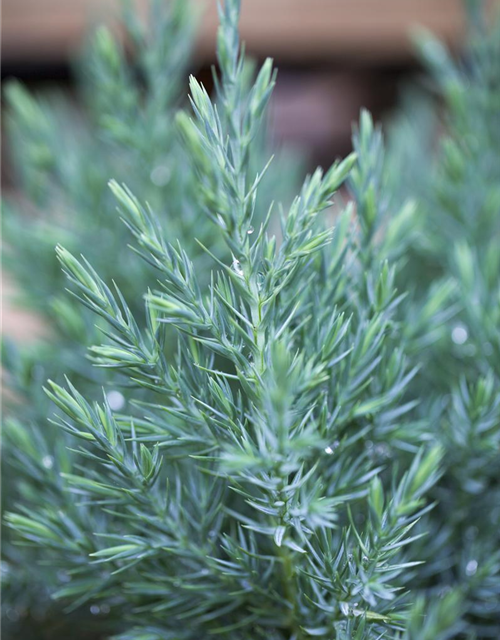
305,441
455,247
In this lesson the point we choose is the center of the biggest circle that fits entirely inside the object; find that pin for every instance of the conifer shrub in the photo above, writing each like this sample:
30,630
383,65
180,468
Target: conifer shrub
308,440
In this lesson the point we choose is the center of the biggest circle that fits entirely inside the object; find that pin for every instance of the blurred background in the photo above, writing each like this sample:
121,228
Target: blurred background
334,57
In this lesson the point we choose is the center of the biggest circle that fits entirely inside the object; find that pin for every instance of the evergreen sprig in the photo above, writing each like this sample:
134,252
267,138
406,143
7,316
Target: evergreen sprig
264,396
288,460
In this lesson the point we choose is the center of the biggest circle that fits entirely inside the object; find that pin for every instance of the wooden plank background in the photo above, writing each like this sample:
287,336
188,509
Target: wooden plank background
295,30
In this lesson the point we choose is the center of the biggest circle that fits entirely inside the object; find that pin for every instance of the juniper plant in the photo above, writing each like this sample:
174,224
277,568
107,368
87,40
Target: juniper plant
277,465
250,501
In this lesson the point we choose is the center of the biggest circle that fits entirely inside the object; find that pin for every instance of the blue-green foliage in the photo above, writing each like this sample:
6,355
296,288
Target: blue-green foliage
307,443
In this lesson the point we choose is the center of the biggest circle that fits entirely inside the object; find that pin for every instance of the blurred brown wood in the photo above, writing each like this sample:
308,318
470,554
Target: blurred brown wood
295,30
18,323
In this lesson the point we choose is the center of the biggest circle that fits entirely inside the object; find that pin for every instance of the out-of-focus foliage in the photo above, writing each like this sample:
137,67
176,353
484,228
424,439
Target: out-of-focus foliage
456,241
305,440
